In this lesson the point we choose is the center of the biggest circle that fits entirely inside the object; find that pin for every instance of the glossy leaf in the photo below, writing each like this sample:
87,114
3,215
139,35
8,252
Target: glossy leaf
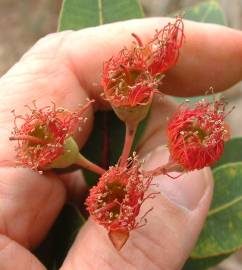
222,233
77,14
232,152
204,263
206,11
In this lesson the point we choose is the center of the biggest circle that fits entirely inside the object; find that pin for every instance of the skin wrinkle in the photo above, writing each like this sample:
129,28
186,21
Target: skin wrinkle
147,237
54,42
84,259
91,265
24,241
5,230
6,243
4,227
46,200
46,71
21,213
50,199
5,186
109,264
150,257
36,67
110,250
127,260
145,254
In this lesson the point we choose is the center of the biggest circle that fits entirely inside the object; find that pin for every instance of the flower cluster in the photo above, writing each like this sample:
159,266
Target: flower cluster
196,135
133,76
116,200
43,135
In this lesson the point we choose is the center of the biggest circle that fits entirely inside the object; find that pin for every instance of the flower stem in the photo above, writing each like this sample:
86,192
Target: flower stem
170,166
87,164
129,138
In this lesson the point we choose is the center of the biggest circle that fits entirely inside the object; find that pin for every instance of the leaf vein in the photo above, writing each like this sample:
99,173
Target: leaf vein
100,11
224,206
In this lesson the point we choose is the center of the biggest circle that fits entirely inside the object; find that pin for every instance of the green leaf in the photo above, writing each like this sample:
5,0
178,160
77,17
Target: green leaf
207,11
222,233
77,14
53,250
204,263
232,152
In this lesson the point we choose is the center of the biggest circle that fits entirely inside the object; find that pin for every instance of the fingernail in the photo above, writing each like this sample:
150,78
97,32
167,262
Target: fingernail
185,191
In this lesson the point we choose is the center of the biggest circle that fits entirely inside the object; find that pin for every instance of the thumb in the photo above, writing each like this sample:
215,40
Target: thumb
166,240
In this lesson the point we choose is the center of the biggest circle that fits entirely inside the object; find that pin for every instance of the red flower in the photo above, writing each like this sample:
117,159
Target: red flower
116,200
42,134
125,80
132,77
196,135
164,47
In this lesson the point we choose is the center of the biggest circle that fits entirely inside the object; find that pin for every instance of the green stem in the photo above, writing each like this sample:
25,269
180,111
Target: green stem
87,164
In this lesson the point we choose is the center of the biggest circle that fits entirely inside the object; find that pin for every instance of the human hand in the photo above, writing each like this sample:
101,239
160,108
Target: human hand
66,68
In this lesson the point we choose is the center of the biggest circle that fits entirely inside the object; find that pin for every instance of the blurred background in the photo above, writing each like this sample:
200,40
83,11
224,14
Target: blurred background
23,22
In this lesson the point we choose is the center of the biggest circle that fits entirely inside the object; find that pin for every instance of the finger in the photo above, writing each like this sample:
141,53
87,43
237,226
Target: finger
76,186
165,241
29,204
60,67
204,59
14,256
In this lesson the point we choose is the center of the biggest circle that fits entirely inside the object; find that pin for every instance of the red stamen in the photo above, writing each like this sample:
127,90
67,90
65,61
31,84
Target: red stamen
127,74
28,138
138,40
